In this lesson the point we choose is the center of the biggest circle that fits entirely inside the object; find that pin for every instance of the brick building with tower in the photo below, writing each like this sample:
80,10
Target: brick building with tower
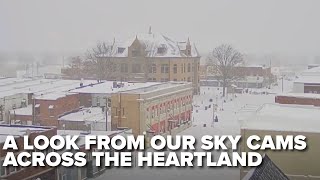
150,57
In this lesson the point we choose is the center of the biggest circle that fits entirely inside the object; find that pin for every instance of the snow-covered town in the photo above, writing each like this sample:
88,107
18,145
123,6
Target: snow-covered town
167,68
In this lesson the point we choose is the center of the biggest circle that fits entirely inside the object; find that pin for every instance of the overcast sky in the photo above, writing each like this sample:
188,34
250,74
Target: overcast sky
253,26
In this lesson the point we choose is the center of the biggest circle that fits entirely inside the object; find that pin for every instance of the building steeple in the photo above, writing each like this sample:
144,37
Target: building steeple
188,47
188,42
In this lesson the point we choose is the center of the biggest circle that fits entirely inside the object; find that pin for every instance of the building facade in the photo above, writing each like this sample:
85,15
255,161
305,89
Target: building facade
308,81
247,76
159,109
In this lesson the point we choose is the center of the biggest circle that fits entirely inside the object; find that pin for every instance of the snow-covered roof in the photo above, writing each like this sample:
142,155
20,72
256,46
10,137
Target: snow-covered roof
151,42
309,76
315,79
18,130
107,87
53,96
280,117
301,95
12,86
157,87
94,114
26,111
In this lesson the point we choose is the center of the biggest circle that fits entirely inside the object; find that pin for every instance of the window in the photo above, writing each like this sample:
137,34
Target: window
164,68
37,109
161,50
189,79
23,103
189,67
121,50
153,68
175,68
122,111
184,68
181,68
136,68
51,111
98,101
174,79
124,68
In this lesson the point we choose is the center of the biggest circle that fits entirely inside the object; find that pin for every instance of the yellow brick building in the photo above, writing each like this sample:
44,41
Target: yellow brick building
164,108
154,57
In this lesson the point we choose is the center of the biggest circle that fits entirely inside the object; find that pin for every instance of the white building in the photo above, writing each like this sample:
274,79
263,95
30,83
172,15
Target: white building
93,119
308,81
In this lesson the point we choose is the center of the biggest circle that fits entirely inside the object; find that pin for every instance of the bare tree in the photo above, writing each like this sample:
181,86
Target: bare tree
225,58
75,68
100,59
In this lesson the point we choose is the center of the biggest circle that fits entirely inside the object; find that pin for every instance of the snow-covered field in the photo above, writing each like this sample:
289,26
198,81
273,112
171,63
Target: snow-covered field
230,112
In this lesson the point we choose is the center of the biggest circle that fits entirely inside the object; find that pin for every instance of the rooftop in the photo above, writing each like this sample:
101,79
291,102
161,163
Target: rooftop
107,87
309,76
18,130
12,86
267,170
284,117
53,95
308,79
82,134
151,42
27,111
86,114
157,87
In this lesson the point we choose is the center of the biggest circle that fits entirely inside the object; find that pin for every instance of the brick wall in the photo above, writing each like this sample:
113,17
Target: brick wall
61,106
297,100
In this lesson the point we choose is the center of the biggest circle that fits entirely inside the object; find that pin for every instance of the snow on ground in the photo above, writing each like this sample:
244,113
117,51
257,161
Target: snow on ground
234,109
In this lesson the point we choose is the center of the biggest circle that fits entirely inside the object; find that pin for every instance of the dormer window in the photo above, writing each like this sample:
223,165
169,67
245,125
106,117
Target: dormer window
161,50
121,50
